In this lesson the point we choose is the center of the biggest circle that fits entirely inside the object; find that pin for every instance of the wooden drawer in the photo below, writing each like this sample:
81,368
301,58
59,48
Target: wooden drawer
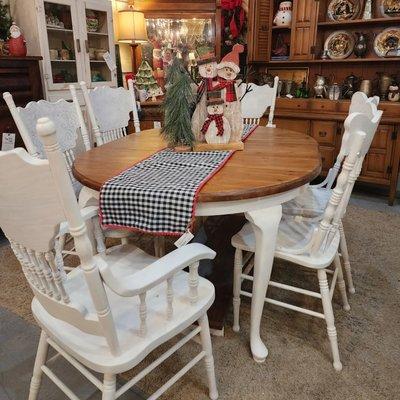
291,104
322,105
324,132
327,157
297,125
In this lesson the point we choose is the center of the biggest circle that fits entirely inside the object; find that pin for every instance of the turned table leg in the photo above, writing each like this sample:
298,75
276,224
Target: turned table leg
265,224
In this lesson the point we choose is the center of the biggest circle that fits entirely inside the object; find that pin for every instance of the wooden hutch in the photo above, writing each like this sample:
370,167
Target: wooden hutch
323,118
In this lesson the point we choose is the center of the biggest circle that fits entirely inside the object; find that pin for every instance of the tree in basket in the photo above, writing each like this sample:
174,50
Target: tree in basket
177,105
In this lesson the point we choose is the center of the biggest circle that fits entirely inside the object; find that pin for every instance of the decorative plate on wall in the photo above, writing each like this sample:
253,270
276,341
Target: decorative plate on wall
387,43
341,10
389,8
339,45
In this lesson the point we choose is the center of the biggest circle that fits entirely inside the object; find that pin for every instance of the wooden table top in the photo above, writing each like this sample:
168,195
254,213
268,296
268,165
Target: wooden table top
273,161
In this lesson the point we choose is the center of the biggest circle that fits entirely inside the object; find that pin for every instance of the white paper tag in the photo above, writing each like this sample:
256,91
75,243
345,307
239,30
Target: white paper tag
110,62
8,141
157,125
184,239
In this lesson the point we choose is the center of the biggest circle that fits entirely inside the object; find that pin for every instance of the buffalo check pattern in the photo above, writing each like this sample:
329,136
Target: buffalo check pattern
158,195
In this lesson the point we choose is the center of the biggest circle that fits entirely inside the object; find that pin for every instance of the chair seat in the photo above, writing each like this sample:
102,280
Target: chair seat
92,350
311,203
293,236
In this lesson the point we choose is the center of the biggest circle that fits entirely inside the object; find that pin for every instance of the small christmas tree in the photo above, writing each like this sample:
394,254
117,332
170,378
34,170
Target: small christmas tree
177,105
144,77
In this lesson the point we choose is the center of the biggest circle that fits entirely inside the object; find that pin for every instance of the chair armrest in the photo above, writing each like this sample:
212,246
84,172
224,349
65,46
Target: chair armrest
157,272
86,212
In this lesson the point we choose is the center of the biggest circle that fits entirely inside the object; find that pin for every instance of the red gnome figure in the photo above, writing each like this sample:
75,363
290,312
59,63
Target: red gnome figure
16,43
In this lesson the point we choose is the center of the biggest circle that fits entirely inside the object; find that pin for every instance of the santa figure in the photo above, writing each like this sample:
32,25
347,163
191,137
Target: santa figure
16,43
216,127
227,71
208,71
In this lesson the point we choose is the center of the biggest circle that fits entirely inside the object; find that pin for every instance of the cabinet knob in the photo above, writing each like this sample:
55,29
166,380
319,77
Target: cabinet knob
322,133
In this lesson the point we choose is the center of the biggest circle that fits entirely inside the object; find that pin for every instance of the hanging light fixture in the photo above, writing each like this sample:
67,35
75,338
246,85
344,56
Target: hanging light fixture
132,29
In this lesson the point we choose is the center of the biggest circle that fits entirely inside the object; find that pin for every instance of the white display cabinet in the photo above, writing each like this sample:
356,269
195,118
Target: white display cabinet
73,36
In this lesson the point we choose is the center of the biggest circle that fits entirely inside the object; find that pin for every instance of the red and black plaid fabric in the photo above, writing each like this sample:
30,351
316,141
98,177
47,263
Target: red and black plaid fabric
230,89
206,84
218,122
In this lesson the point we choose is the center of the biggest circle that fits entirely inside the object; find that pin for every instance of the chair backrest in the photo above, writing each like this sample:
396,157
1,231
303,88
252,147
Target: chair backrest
360,103
71,133
256,102
38,198
109,111
340,196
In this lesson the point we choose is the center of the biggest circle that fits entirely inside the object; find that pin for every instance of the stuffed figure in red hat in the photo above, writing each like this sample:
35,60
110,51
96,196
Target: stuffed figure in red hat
227,72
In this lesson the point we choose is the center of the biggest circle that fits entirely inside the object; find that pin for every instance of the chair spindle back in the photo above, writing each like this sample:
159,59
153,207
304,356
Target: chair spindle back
39,197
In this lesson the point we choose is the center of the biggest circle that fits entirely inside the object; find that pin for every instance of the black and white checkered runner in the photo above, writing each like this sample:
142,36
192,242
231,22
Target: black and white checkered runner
158,195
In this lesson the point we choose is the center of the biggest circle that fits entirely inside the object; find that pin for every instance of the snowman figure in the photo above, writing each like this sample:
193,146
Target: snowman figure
208,72
216,128
284,15
228,70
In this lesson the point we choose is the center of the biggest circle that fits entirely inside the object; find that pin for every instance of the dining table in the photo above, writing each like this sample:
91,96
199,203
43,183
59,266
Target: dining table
272,169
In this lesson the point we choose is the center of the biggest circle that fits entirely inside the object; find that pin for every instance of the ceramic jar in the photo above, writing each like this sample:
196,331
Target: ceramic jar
394,93
366,87
284,15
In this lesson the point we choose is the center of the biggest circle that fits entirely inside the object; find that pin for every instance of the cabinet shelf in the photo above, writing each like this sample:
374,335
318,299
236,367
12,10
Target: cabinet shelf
52,29
356,22
281,28
97,34
346,60
63,61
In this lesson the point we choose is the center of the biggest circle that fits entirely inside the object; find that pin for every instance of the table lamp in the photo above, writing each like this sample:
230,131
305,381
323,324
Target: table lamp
132,29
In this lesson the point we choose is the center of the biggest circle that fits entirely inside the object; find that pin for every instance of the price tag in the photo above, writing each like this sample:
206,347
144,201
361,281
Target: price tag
8,141
184,239
109,61
157,125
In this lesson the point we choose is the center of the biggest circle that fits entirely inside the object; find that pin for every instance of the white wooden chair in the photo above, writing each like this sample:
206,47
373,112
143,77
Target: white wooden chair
109,313
255,103
313,200
72,133
311,244
109,111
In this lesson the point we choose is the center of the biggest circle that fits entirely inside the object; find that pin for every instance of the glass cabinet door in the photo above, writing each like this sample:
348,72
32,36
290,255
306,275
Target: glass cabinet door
63,44
99,40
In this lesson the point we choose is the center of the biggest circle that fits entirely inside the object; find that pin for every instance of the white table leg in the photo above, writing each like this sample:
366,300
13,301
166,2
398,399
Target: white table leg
265,224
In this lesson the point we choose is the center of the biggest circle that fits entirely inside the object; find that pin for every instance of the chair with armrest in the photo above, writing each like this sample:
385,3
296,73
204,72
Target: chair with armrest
115,308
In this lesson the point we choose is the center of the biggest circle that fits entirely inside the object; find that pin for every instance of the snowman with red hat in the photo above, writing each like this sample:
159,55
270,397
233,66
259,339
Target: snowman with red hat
227,71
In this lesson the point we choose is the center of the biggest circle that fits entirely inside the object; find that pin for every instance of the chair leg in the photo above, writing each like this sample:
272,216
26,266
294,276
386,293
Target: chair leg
341,283
346,259
329,318
237,283
109,387
209,359
40,360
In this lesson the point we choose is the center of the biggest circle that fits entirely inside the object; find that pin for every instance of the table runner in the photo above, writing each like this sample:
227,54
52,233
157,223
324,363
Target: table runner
159,194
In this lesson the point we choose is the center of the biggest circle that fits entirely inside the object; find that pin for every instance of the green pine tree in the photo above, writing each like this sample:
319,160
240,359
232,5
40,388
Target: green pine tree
5,21
177,105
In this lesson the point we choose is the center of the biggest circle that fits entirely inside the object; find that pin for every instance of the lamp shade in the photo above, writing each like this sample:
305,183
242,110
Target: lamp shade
131,26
